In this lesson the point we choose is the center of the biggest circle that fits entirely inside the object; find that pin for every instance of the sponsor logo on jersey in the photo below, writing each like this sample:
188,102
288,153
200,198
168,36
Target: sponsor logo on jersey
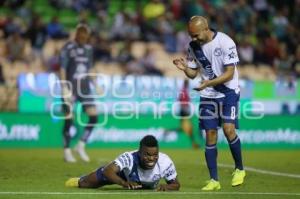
218,52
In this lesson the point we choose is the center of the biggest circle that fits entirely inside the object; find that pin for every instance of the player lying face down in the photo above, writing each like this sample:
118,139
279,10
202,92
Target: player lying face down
140,169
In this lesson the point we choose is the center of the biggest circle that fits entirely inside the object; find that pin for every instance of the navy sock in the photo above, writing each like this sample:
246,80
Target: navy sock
211,154
89,128
66,133
235,148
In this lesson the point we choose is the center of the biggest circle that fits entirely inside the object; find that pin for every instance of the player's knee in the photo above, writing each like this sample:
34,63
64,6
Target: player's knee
229,131
85,183
91,110
211,137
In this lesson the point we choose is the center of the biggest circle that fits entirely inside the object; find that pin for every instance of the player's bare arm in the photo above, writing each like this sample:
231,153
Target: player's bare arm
225,77
172,185
110,172
181,64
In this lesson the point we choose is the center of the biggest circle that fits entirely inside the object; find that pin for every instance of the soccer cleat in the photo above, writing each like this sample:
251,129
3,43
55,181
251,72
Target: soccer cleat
238,177
80,149
72,182
68,156
212,185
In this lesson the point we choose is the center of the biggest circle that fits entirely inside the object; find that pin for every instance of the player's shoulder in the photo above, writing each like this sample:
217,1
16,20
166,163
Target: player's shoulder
164,159
125,160
69,45
128,153
224,37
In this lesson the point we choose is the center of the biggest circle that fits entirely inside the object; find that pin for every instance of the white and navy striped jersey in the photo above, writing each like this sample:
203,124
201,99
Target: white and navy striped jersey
128,163
211,59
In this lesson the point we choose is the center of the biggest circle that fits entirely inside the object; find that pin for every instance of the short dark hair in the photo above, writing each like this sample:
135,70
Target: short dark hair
149,141
83,27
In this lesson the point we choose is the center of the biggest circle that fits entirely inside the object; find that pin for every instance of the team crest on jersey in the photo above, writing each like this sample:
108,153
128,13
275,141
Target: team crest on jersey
218,52
73,53
80,51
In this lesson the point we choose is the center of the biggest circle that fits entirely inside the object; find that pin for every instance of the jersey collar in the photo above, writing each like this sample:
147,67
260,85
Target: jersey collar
215,33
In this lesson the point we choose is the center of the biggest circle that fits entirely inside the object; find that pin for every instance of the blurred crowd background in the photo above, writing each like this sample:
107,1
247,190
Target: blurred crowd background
141,37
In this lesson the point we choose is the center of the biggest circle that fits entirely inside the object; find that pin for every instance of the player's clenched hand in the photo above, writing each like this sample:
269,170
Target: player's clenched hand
180,63
203,85
132,185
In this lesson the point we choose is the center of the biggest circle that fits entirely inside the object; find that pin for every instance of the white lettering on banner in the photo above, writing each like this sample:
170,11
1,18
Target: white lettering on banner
19,132
131,135
256,136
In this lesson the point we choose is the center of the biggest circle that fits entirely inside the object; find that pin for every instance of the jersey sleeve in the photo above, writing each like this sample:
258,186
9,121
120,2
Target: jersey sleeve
191,63
169,171
124,161
230,52
64,56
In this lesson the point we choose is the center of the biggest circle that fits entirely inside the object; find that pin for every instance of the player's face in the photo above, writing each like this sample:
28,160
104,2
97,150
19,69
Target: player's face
200,35
148,157
82,36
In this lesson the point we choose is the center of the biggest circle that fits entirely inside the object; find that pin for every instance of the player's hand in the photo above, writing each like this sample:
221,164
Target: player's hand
132,185
180,63
162,187
203,85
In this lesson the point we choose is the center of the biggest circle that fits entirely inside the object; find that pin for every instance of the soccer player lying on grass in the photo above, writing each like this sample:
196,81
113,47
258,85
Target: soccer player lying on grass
140,169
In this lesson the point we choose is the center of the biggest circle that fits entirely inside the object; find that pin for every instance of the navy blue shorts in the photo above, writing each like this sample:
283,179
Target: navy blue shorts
215,111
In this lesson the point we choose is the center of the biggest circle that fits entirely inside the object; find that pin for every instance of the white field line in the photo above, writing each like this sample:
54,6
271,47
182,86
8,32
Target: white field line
273,173
150,193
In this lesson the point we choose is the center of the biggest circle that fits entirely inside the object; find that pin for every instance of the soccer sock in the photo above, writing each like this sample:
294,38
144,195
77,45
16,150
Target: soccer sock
235,148
66,133
88,129
211,154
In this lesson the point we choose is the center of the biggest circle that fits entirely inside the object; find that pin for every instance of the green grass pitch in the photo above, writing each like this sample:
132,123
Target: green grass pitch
41,173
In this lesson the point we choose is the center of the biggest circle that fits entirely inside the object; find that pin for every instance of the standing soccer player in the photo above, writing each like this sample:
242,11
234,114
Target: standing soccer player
76,58
213,56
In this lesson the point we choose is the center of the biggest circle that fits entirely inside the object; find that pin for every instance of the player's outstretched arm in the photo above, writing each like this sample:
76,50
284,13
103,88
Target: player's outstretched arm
110,172
172,185
181,64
